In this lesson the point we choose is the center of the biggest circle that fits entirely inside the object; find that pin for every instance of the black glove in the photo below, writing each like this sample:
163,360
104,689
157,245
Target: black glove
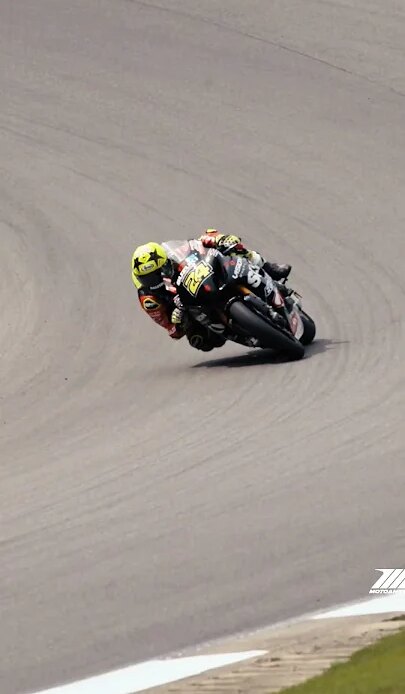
227,244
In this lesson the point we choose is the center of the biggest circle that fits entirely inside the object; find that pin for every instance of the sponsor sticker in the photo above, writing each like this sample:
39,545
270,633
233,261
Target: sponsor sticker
238,269
150,304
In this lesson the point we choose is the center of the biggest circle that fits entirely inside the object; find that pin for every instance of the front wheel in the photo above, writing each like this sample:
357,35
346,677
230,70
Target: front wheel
309,329
268,336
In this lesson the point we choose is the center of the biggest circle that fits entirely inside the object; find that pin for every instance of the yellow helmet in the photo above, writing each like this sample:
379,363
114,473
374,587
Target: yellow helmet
147,262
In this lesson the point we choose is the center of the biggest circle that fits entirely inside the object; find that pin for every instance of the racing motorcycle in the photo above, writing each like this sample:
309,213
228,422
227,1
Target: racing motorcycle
237,300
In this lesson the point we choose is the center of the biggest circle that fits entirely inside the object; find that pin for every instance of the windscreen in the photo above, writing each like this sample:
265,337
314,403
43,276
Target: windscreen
180,250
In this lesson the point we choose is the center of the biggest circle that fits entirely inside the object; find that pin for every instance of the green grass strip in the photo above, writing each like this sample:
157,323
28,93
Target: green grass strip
377,669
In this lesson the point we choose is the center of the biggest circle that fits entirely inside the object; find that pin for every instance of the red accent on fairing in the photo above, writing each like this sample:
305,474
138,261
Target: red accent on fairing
294,323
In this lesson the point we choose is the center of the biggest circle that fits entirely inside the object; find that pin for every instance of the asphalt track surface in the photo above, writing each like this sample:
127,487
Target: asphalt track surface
152,497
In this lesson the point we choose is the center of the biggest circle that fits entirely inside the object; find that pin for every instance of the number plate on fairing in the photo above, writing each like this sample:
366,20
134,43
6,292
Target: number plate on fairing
194,277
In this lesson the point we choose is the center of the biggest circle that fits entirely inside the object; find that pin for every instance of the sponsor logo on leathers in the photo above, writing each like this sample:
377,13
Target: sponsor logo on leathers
150,304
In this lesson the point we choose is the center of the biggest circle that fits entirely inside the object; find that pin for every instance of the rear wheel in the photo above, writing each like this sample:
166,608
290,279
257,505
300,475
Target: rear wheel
268,336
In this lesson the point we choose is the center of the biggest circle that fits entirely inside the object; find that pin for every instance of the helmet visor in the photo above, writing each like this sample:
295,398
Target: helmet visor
152,281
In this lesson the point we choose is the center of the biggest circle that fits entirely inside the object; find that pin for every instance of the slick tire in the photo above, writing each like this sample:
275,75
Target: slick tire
309,329
268,336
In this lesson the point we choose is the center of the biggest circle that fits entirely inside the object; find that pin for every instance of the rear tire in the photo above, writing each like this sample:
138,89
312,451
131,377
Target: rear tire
268,336
309,329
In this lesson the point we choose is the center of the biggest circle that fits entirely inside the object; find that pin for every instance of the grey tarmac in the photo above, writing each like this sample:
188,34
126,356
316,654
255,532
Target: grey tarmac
152,498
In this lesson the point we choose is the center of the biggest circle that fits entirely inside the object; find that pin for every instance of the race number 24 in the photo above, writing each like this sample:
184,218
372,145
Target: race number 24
194,279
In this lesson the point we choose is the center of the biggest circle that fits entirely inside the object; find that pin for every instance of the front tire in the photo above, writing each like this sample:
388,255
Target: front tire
268,336
309,329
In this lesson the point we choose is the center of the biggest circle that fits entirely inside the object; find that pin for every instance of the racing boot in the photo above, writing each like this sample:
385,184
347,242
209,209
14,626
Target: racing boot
277,272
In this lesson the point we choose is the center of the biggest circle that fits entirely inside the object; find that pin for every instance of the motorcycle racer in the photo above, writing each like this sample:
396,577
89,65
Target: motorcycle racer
154,267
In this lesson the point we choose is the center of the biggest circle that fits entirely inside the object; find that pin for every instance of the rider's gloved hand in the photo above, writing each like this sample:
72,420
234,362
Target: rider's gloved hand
214,239
177,316
230,242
